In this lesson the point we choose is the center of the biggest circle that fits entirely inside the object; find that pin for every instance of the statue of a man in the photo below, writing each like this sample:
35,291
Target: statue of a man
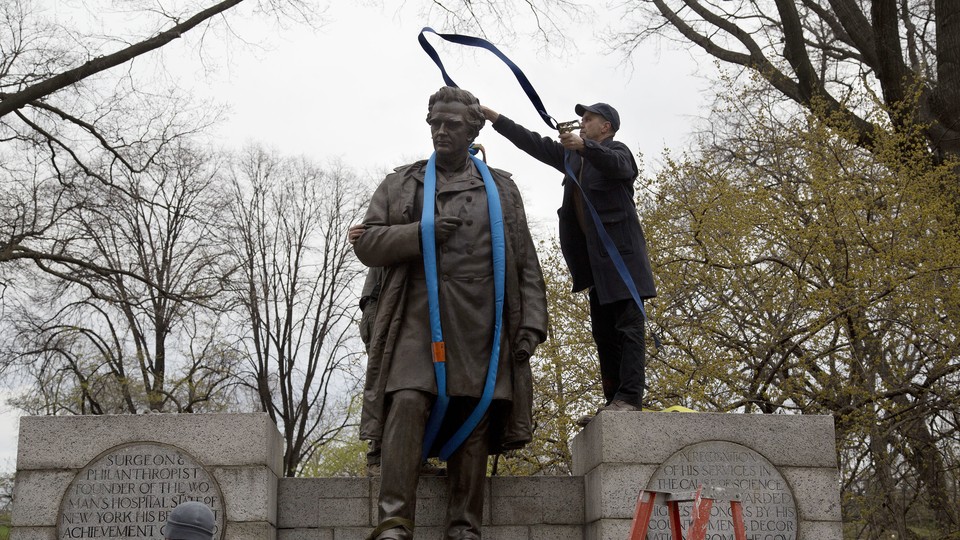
401,385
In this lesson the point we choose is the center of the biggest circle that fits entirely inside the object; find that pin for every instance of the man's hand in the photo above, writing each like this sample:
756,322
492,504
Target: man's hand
571,141
490,114
444,227
355,231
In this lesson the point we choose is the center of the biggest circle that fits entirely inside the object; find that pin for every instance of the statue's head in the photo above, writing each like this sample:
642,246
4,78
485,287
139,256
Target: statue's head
455,120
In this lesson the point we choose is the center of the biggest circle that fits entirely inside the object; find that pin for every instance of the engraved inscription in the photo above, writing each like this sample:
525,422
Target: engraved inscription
769,511
128,491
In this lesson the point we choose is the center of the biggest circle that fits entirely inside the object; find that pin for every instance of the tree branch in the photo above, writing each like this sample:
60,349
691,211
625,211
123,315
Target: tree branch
17,100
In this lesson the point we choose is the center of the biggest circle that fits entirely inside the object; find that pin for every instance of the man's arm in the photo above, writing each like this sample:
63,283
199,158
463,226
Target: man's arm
614,160
542,148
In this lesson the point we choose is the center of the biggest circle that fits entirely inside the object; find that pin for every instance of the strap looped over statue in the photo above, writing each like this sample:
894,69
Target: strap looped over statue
429,248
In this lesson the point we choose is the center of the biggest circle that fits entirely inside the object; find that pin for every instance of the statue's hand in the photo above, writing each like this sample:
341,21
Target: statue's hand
355,231
445,226
525,345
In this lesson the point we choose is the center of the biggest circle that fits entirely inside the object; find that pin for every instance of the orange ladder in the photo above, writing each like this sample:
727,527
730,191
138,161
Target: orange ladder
702,501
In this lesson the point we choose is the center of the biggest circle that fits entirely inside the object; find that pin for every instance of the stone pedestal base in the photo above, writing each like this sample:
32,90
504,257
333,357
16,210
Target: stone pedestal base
620,453
792,458
243,452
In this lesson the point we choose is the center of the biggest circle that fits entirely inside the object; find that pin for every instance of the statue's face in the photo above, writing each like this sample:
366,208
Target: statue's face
449,129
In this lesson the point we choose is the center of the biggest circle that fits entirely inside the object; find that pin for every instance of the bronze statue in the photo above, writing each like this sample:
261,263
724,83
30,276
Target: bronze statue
401,385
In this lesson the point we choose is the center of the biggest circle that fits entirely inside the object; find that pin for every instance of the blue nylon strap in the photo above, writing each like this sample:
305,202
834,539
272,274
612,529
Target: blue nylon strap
471,41
499,279
429,249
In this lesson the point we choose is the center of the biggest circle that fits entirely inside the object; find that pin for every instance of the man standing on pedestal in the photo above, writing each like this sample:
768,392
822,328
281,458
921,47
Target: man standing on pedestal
606,170
401,387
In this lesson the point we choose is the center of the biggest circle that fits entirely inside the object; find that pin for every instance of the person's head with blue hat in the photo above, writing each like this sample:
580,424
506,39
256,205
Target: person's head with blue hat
190,520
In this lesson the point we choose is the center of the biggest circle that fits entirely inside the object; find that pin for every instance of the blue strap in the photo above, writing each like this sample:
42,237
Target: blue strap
428,240
499,274
429,249
471,41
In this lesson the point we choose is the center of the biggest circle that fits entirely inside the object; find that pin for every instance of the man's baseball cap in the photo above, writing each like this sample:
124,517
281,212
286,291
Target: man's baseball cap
190,520
604,110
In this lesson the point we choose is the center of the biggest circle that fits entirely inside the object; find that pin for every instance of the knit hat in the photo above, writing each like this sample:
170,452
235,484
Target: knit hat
190,520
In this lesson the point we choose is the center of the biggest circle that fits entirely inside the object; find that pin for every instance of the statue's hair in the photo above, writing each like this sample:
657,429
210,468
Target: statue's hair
451,94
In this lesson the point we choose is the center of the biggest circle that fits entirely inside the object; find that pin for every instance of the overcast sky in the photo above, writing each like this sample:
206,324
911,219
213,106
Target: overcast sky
357,88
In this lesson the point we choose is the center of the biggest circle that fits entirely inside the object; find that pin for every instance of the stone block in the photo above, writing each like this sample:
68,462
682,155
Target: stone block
352,533
524,510
38,495
347,512
297,503
816,492
33,533
516,486
586,449
563,500
506,532
323,502
304,534
432,487
214,439
611,490
821,530
337,488
651,438
430,533
250,531
534,500
607,529
556,532
249,493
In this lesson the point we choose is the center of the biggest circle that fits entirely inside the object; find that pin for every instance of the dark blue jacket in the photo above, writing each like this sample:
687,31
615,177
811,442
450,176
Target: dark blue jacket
606,170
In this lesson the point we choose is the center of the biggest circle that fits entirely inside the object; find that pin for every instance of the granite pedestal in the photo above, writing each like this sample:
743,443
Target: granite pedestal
62,460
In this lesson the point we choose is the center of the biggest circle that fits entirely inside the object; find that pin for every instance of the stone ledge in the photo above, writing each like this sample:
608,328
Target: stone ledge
651,438
250,531
213,439
33,533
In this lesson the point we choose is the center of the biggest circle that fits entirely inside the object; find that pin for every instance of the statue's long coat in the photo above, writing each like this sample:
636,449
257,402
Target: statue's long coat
392,241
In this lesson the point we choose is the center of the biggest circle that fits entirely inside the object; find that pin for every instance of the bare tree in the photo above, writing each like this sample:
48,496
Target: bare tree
67,112
495,20
838,54
295,291
101,342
